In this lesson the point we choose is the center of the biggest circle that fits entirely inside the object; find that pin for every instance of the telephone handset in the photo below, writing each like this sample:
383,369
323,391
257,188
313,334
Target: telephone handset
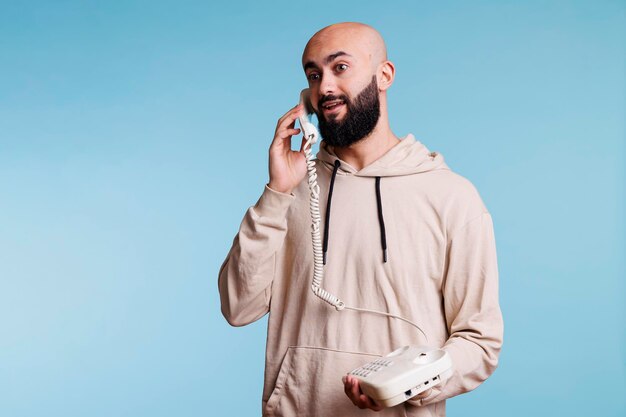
310,132
403,373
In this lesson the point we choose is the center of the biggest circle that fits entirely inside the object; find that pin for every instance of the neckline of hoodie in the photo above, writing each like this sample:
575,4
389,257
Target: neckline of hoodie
405,145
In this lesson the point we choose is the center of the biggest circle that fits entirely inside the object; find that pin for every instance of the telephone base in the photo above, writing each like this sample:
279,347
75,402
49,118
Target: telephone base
403,374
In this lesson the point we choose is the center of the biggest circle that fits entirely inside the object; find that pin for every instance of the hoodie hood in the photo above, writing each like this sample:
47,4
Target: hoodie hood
407,157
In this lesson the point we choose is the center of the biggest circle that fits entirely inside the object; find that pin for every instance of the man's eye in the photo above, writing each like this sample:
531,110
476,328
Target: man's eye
342,67
314,77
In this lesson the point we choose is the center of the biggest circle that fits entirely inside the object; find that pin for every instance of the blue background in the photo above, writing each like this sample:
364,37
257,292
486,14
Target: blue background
134,135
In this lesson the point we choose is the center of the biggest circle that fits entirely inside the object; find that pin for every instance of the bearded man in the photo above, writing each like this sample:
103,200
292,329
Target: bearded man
404,234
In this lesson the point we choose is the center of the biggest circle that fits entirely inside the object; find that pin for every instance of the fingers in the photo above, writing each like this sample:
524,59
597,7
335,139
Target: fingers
370,403
292,131
285,126
353,391
289,118
347,388
295,110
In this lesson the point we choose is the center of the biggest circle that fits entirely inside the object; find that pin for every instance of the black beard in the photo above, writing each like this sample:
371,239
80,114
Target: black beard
361,117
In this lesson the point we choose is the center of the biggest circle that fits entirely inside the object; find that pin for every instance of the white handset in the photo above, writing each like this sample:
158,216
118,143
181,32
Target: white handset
309,131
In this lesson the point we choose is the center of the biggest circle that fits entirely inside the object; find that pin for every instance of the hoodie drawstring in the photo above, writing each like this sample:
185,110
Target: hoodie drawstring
327,220
379,205
381,219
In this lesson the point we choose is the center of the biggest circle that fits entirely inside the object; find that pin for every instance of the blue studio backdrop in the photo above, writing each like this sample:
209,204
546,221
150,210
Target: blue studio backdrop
134,135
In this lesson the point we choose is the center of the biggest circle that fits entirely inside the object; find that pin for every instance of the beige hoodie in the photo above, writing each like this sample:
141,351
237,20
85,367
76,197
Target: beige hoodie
441,273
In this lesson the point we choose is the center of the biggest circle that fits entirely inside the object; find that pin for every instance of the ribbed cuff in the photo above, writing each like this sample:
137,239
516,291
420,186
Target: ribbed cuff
273,204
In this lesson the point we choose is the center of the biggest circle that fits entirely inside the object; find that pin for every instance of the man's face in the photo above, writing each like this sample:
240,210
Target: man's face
343,88
362,114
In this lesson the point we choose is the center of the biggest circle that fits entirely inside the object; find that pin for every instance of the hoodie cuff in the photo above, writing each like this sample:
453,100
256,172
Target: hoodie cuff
273,204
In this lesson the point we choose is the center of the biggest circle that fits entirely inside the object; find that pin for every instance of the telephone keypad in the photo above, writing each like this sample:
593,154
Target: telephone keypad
371,367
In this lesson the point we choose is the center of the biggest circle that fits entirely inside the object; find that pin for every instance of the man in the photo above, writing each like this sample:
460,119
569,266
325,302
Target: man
403,235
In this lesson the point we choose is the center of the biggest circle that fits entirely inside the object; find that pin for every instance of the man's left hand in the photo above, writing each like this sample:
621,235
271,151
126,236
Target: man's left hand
353,391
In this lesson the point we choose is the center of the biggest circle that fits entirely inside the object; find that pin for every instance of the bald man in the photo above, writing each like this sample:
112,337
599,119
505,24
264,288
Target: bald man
404,235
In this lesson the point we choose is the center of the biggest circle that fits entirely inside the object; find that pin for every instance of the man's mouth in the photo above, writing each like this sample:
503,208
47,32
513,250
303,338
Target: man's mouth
332,106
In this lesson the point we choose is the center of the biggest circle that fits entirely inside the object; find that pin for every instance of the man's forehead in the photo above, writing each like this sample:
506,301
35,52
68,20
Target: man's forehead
356,40
327,50
325,58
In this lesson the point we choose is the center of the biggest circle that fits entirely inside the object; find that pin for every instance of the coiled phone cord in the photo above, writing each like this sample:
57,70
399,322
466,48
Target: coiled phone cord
316,218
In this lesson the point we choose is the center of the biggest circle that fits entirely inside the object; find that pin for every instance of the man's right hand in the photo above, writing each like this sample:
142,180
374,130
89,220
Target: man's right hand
287,168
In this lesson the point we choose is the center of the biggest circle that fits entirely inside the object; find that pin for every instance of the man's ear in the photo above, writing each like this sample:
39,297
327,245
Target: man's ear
386,74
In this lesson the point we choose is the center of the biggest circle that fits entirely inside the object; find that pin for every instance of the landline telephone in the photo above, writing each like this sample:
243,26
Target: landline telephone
403,373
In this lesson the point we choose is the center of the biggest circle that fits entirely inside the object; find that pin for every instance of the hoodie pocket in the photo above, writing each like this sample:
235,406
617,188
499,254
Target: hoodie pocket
309,384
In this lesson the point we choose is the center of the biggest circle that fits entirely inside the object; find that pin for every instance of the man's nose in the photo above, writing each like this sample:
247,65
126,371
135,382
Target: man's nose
327,86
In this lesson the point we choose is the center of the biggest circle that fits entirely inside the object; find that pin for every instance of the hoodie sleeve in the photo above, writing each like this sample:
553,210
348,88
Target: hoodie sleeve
245,277
472,309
